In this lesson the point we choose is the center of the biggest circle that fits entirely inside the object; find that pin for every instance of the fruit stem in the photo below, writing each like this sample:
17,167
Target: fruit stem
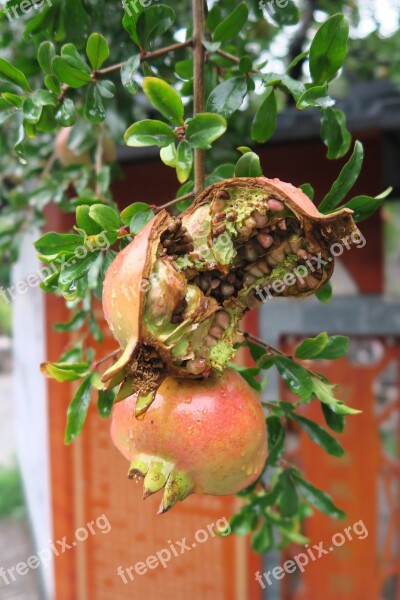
198,85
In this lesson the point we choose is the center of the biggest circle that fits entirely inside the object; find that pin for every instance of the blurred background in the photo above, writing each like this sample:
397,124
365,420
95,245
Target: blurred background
48,491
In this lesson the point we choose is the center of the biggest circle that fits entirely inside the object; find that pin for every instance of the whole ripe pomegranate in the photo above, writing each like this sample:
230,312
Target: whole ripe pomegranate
173,298
203,436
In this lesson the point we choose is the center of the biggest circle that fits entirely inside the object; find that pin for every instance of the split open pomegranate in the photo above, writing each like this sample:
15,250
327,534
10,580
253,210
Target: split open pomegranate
174,297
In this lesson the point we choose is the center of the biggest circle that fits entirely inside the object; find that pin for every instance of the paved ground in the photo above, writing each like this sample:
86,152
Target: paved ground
15,539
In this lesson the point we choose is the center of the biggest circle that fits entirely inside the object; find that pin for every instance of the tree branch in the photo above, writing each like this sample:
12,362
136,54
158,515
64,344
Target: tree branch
234,59
173,202
198,85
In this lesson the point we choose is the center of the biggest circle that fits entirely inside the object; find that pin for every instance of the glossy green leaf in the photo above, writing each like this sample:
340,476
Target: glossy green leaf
149,132
73,324
262,540
97,50
319,435
46,53
264,123
105,216
139,220
245,65
153,22
94,107
248,165
365,206
232,25
184,161
70,75
325,293
32,112
52,84
228,96
75,269
70,53
53,244
77,410
164,98
132,210
333,420
105,403
128,71
334,132
289,501
64,371
168,155
308,189
317,497
325,393
295,376
315,96
13,75
312,347
204,129
66,114
345,181
276,439
329,48
130,18
44,98
336,347
284,13
85,222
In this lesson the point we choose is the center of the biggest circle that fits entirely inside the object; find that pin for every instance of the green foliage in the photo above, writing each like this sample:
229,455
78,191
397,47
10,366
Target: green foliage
12,496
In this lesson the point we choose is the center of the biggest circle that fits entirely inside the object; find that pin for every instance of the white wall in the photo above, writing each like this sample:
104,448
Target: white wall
30,403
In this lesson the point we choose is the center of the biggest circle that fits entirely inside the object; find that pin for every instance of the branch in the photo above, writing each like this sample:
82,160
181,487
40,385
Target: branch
173,202
96,364
234,59
270,349
198,85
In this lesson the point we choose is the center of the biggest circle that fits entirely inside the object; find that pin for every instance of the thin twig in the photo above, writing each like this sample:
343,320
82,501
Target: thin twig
270,349
235,59
173,202
198,85
96,364
49,165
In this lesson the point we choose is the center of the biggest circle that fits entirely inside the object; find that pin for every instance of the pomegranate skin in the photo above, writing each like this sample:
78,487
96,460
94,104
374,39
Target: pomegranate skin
204,437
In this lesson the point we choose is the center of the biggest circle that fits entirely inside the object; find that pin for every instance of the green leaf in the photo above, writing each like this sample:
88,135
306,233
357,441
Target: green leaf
336,347
345,181
53,244
129,21
317,497
105,216
75,269
70,54
132,210
289,501
333,420
295,376
213,17
168,155
70,75
154,22
315,96
245,65
149,132
12,100
324,392
106,88
204,129
262,540
74,324
52,84
32,112
228,96
365,206
320,436
264,123
77,410
184,161
76,21
64,371
164,98
248,165
300,57
97,50
312,347
324,294
139,220
13,75
85,222
308,190
276,440
249,374
244,522
105,403
284,13
43,98
94,107
45,55
334,132
66,114
232,25
128,71
184,68
329,48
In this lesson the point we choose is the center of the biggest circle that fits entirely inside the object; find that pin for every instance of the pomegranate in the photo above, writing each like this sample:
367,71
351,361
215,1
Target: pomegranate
203,437
173,298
